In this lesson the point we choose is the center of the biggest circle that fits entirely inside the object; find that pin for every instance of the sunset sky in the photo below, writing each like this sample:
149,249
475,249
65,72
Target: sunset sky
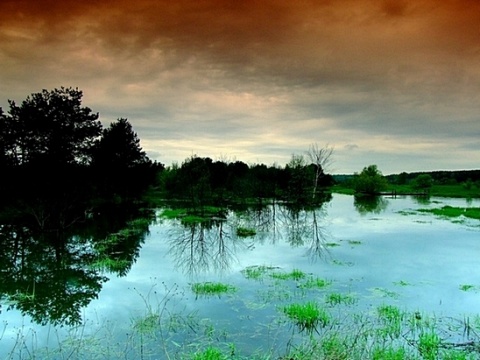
388,82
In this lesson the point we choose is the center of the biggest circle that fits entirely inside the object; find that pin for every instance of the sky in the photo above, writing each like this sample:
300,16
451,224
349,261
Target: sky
395,83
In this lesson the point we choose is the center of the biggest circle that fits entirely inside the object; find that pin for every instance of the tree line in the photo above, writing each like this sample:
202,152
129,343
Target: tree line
58,161
202,180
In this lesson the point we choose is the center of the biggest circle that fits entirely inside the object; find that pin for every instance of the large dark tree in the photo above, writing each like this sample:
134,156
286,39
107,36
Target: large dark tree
120,147
122,166
50,128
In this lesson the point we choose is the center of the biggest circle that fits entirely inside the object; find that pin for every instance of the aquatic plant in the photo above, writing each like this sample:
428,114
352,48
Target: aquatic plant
307,316
256,272
391,318
210,353
451,211
339,298
295,274
428,345
314,282
211,288
389,354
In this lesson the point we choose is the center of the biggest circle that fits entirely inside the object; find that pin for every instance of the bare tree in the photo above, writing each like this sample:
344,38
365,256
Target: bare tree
322,159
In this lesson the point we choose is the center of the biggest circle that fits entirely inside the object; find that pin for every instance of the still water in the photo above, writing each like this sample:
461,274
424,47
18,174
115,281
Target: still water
385,252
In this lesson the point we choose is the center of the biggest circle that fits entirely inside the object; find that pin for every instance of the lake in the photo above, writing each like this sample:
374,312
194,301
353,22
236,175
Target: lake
350,256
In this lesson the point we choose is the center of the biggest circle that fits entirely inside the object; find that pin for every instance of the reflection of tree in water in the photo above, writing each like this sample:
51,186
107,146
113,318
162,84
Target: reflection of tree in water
304,227
202,247
261,217
370,204
50,276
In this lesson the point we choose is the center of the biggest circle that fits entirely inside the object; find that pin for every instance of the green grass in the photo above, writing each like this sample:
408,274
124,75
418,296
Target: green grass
295,274
210,353
384,332
257,272
315,282
450,211
428,345
307,316
195,215
455,190
211,288
467,287
391,319
339,298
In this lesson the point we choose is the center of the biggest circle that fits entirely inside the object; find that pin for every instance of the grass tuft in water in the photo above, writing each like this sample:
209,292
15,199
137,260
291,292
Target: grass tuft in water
256,272
295,274
391,318
389,354
210,353
428,345
307,316
317,283
212,288
338,298
467,287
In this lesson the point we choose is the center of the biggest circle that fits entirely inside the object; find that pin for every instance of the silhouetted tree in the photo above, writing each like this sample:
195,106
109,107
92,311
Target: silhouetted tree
51,128
123,167
119,147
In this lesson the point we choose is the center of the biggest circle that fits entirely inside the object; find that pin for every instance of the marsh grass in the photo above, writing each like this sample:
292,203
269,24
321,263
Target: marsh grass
453,212
295,274
194,215
339,298
468,287
167,330
212,288
210,353
307,316
391,317
257,272
315,283
429,344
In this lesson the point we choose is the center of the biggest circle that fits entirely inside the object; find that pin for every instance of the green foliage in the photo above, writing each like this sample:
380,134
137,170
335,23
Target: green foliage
370,181
423,182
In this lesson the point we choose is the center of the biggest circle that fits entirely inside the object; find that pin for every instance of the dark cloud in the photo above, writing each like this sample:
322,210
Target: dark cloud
261,76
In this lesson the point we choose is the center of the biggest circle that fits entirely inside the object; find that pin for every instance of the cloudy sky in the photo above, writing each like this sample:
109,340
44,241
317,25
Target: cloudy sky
394,83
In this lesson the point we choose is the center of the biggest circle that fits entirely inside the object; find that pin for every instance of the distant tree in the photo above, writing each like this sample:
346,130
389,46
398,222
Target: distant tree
194,179
423,182
370,181
402,178
321,159
299,179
